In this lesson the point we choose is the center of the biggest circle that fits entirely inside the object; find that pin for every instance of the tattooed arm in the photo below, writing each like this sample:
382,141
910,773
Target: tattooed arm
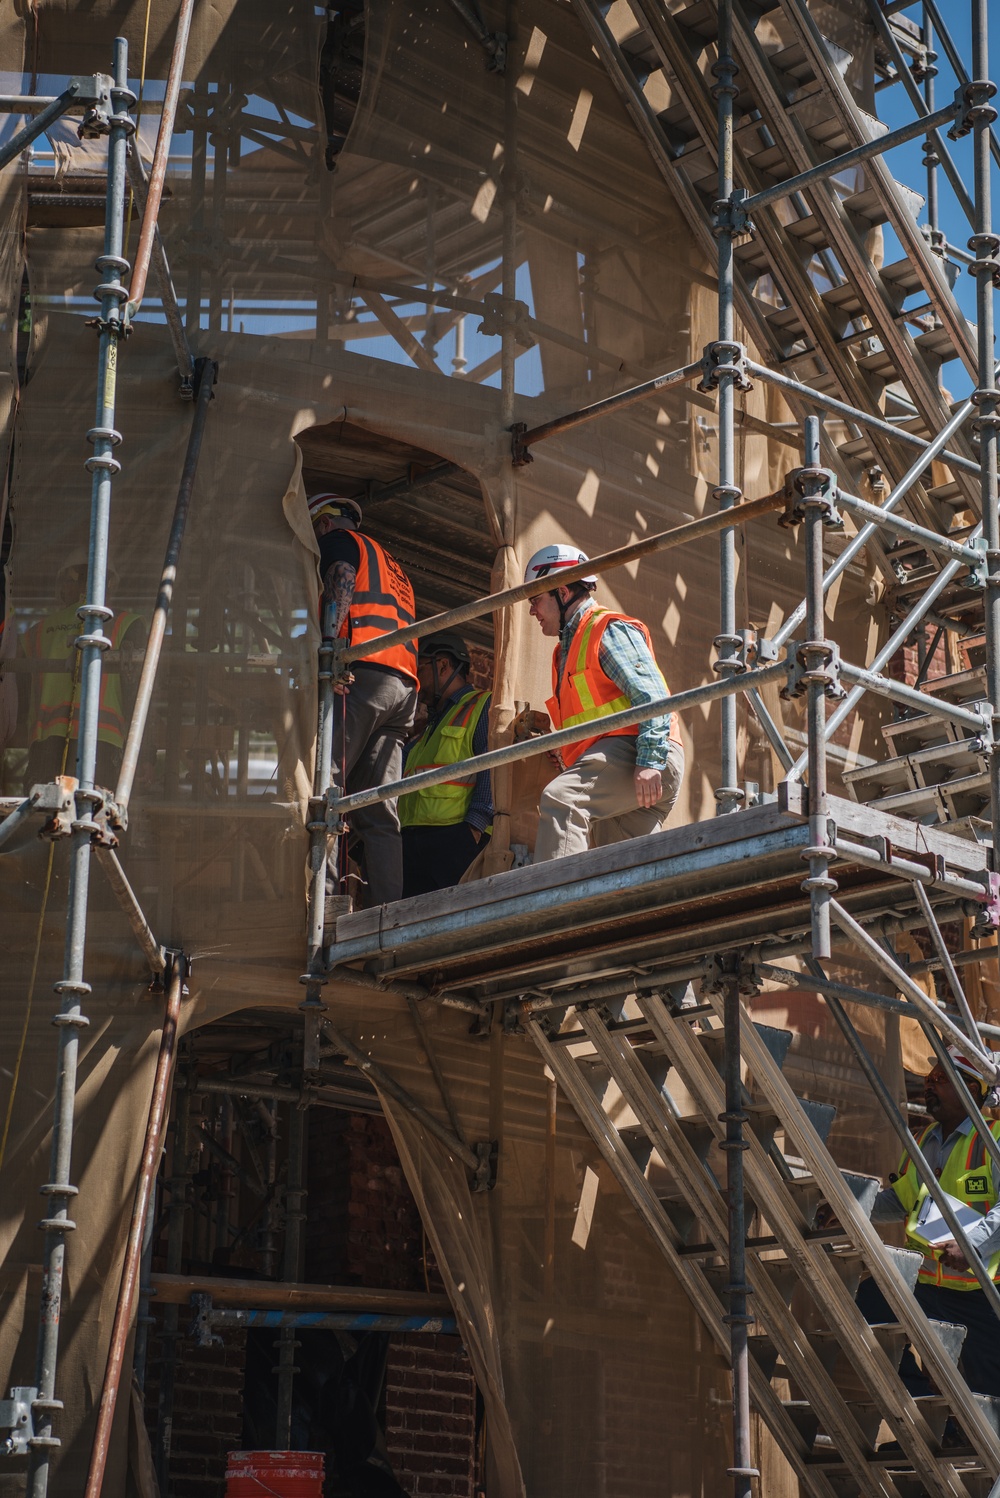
338,590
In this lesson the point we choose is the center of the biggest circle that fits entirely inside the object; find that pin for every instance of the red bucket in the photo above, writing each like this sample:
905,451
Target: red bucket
274,1474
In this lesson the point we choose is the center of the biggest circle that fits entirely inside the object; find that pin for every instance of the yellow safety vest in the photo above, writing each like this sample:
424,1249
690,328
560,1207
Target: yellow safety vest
56,696
447,742
968,1176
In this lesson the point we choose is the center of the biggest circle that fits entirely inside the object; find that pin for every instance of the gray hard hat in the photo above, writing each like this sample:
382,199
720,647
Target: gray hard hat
445,643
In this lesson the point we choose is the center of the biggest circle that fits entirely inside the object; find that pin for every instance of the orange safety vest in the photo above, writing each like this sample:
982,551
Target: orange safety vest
382,602
585,693
56,695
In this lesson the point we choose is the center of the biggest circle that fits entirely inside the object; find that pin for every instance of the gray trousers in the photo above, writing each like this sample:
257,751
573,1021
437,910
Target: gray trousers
593,802
370,727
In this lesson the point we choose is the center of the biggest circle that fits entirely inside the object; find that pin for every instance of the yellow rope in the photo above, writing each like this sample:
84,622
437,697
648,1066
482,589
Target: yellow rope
41,927
138,121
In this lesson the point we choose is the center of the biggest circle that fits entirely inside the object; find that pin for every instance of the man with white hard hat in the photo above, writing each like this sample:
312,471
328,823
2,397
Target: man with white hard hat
617,784
371,596
947,1289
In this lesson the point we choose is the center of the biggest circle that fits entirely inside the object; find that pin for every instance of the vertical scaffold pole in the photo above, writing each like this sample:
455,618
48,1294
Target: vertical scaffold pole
320,852
815,655
728,796
931,159
295,1192
91,643
985,245
742,1471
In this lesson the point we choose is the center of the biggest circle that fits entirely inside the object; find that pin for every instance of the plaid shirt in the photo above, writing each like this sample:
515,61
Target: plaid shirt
625,657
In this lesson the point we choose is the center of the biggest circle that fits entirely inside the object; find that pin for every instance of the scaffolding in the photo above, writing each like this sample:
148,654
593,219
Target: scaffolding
705,915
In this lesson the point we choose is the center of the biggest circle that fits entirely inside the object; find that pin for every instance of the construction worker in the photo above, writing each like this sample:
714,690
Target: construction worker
613,785
445,826
947,1289
371,596
50,707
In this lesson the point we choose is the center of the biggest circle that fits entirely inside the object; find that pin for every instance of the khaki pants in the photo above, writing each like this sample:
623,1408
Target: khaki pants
593,803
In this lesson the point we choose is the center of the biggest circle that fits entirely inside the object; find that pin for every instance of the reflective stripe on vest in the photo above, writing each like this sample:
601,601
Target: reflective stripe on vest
449,741
382,602
966,1175
57,696
586,693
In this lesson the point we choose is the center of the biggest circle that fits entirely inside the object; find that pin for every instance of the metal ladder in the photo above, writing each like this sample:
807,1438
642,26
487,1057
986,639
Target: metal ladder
807,289
655,1053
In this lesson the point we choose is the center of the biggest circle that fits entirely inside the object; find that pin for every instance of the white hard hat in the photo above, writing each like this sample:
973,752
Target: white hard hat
962,1064
552,559
340,506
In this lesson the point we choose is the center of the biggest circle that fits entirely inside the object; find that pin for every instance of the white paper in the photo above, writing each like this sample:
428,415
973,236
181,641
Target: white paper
931,1226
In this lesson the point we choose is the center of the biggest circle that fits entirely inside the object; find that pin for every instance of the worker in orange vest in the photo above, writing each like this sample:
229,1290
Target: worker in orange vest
371,596
613,785
50,704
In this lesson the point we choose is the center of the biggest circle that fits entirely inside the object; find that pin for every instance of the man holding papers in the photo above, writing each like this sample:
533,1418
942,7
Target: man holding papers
947,1289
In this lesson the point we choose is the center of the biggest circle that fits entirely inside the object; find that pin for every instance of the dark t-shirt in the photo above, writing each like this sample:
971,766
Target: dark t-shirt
338,546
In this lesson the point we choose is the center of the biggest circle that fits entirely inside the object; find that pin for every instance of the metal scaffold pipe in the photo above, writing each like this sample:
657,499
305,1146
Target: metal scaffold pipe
157,177
91,643
727,493
158,1108
682,702
205,376
815,655
985,245
680,535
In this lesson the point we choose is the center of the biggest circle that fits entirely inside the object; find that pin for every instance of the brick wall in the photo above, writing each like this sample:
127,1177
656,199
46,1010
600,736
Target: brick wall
208,1409
430,1416
362,1224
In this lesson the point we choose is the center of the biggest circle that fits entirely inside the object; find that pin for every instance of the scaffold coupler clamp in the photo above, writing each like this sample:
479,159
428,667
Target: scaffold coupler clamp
95,92
15,1419
811,661
972,107
723,358
729,216
988,916
484,1177
723,967
58,799
806,487
979,571
520,454
201,1324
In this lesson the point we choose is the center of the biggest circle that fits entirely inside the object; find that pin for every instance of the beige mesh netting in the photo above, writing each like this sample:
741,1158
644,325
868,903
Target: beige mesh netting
595,1371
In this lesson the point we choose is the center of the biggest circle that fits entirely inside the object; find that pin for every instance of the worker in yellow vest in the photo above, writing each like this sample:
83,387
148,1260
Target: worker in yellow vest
947,1289
447,825
50,704
613,785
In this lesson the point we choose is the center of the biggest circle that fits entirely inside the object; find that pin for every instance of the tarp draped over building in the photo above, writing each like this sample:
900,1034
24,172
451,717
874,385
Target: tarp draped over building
595,1371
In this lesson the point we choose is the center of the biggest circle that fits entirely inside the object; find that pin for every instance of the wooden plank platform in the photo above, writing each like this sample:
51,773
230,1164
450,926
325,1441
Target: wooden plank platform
673,896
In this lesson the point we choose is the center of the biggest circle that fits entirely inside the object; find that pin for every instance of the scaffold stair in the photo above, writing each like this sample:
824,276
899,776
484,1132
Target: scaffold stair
643,1076
808,287
938,771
